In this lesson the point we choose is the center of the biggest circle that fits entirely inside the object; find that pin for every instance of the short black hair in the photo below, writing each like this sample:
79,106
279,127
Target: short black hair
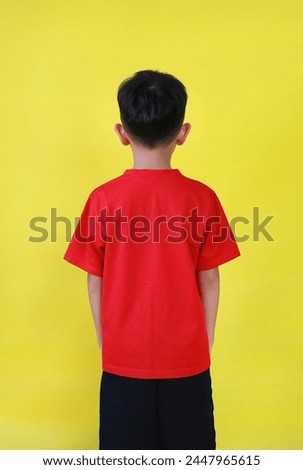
152,107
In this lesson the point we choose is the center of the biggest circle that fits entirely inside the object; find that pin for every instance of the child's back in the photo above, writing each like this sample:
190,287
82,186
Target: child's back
152,314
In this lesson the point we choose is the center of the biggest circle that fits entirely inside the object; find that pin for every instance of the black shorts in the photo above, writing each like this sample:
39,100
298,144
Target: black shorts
156,413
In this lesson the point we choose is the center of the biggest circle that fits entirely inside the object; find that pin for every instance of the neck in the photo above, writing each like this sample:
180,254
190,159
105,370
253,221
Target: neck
146,158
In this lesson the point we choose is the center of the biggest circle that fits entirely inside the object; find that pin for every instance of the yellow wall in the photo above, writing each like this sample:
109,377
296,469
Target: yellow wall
62,62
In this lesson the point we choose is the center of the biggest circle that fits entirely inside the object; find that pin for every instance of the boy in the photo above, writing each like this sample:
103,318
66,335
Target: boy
151,241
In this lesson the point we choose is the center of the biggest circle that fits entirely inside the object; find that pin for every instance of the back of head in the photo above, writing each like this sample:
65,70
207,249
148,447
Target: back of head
152,107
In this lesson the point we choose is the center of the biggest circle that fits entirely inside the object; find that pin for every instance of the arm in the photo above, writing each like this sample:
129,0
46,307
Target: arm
209,287
94,286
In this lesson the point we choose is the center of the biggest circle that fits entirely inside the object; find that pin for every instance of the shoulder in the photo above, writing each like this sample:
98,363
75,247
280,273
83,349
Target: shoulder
106,187
198,186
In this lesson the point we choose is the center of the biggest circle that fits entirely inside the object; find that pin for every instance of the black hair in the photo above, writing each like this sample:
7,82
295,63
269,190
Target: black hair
152,107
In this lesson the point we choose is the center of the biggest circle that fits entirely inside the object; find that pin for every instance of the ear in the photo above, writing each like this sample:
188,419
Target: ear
118,128
183,133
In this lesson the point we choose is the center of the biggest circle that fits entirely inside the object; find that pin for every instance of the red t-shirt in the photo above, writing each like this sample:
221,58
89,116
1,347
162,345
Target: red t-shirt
146,233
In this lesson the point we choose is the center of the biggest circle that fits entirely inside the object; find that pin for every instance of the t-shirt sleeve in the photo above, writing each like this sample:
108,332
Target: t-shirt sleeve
86,249
218,243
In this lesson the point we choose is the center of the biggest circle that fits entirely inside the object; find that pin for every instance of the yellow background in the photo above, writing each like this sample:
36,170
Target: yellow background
62,62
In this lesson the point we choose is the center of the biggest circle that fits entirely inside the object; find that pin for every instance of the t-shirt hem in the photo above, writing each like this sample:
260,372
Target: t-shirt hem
155,373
